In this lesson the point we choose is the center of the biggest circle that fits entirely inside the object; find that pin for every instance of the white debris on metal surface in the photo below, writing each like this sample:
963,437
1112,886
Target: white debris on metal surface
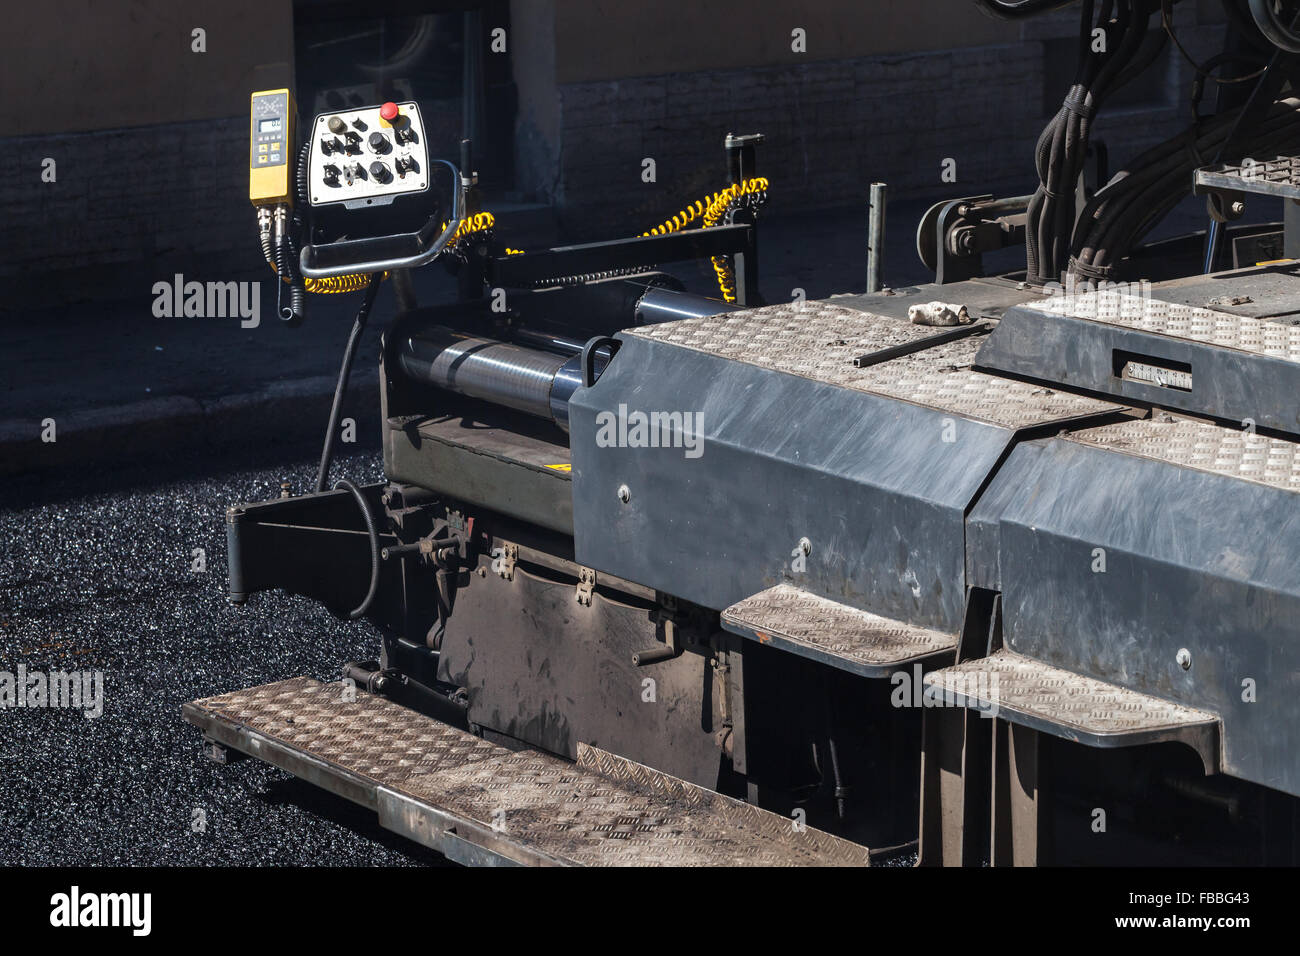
939,314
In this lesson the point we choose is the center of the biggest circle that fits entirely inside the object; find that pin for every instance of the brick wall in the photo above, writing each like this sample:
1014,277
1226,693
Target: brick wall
832,127
170,192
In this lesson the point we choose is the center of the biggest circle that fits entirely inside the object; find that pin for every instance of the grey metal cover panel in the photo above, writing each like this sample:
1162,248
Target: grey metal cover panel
818,341
846,638
879,486
1234,367
1060,702
481,803
1113,563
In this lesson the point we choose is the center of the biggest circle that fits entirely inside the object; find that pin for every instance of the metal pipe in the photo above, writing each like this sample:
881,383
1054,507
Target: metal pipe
537,381
665,305
498,372
549,341
876,236
527,380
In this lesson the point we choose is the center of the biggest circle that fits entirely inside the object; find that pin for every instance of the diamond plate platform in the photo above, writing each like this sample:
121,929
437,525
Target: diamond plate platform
1222,329
846,638
820,341
1024,691
480,803
1204,446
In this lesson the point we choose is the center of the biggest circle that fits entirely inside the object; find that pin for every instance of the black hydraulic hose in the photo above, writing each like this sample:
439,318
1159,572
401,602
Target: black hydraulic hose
1062,148
373,532
349,353
287,258
1133,202
286,266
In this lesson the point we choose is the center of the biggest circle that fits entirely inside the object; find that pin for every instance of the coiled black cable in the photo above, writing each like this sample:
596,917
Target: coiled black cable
373,532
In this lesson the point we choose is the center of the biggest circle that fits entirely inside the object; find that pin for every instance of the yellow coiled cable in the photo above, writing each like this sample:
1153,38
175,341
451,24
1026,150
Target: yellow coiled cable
478,222
711,210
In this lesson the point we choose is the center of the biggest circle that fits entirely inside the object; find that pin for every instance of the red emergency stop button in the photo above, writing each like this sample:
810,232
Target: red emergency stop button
388,112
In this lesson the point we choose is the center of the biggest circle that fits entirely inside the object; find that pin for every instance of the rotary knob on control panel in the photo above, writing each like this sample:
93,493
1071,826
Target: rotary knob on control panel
379,172
379,142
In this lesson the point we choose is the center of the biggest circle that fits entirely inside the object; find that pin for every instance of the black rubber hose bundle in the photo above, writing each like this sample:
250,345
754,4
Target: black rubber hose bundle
1063,146
1136,199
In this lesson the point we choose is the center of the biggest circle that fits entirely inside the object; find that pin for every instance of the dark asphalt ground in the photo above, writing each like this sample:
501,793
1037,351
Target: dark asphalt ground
103,581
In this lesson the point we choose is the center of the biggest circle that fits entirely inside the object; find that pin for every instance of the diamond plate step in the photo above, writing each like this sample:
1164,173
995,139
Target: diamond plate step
1024,691
483,804
846,638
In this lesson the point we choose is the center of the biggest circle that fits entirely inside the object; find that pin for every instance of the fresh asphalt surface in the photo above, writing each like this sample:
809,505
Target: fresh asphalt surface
102,581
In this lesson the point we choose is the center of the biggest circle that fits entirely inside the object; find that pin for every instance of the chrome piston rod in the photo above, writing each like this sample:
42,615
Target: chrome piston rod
527,380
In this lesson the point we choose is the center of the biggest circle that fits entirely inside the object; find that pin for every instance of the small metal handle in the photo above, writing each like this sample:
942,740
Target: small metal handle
403,262
589,356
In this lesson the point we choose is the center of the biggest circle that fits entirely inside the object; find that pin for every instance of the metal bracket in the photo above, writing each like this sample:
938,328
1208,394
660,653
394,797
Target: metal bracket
218,753
666,615
504,563
586,585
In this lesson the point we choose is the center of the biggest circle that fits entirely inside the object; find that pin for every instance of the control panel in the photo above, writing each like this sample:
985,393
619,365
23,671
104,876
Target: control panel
270,143
366,157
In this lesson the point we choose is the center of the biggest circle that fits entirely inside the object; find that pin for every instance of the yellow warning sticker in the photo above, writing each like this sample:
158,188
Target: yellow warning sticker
560,467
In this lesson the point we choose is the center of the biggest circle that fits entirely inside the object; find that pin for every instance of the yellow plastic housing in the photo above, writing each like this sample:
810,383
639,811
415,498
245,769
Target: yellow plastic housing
270,143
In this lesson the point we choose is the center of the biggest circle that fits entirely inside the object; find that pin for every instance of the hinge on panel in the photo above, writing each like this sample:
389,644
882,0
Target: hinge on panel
586,585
